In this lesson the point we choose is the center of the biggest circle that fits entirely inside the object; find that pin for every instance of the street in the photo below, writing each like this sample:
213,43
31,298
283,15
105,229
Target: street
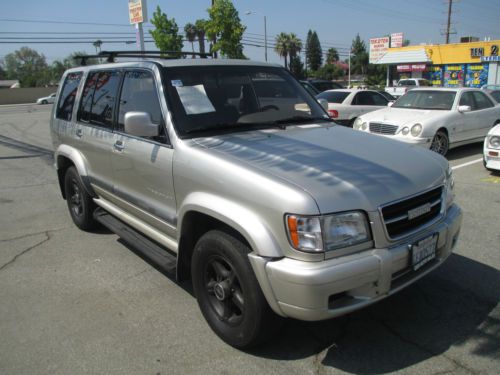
74,302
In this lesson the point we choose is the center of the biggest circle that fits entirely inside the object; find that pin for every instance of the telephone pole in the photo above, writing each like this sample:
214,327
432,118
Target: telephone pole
448,24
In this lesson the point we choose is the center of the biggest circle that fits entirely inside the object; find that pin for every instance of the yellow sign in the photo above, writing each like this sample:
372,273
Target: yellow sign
137,11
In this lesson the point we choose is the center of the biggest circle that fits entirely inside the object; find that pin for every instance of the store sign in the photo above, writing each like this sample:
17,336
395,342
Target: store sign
378,48
411,68
477,75
453,75
477,52
137,11
435,75
490,58
397,40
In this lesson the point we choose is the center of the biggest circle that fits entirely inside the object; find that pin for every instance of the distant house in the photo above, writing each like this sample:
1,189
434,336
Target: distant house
9,84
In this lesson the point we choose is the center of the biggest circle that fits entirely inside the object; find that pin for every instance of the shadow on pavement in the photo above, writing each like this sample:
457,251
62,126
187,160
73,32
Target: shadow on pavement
447,308
465,151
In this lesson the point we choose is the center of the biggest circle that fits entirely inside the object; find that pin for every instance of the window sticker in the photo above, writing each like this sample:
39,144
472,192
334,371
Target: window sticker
176,83
195,99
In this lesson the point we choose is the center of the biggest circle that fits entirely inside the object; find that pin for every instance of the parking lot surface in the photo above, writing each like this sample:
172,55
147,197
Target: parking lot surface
73,302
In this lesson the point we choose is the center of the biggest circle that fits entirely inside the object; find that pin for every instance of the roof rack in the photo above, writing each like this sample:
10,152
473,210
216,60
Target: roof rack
112,55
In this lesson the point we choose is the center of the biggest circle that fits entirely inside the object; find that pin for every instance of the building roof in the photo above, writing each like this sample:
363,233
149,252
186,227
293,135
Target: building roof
404,57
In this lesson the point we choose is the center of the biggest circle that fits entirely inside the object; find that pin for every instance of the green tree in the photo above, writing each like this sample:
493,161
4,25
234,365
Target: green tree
314,53
166,33
376,75
282,46
27,66
57,69
406,42
191,32
360,58
332,56
294,45
225,26
297,67
329,72
201,26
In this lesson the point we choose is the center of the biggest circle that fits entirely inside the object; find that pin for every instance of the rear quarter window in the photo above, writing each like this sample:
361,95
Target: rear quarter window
68,95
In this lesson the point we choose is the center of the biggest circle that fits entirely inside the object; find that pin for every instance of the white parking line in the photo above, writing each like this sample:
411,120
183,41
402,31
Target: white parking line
466,164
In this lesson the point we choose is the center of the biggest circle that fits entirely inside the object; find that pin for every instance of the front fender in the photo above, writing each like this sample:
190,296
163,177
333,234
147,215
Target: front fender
65,152
246,222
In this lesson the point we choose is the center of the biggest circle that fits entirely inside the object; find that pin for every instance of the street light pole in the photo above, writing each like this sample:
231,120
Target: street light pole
249,12
349,77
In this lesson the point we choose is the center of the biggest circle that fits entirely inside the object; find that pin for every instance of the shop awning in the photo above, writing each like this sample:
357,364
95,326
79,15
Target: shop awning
404,57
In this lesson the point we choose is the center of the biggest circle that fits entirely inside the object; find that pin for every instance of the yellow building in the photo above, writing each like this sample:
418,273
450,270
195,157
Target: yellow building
470,64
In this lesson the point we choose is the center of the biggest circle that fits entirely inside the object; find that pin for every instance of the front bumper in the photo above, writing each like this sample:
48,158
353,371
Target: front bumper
321,290
491,161
422,142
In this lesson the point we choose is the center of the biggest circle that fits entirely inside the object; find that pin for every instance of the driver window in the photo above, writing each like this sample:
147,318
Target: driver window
467,99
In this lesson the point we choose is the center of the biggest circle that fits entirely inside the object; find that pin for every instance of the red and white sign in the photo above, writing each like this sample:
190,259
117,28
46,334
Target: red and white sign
137,11
378,48
411,68
397,40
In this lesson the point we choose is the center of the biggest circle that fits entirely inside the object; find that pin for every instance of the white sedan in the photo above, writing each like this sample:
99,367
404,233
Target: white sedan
47,99
345,105
435,118
492,149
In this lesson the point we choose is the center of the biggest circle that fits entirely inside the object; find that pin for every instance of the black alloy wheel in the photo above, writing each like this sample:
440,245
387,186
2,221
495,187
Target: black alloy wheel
440,143
80,204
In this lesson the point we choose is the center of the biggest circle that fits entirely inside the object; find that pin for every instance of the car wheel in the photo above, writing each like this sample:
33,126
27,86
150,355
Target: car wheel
440,143
44,102
80,204
228,293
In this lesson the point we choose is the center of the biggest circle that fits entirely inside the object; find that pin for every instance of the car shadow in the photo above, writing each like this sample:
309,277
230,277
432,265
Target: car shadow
465,151
447,308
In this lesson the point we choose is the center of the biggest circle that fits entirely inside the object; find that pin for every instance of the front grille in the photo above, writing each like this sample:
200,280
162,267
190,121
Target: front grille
405,216
377,127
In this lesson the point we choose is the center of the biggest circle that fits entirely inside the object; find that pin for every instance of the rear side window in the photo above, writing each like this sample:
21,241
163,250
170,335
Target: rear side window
68,96
99,98
333,96
482,101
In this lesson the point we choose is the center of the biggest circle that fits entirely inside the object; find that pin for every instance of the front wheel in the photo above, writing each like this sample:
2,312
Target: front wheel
228,293
440,143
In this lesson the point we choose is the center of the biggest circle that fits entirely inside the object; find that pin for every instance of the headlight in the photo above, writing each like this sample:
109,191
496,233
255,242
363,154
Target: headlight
405,130
494,141
317,234
364,126
416,130
357,124
450,187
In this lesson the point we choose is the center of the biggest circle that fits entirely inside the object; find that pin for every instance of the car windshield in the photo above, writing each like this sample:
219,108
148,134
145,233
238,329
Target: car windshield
333,96
426,99
214,99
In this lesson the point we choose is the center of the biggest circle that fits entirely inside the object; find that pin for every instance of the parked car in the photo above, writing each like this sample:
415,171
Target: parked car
323,84
270,208
46,99
405,85
346,105
310,88
493,90
435,118
491,157
386,95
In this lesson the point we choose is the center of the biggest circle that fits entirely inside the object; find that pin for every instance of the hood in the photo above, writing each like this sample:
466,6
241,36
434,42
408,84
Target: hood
403,116
340,168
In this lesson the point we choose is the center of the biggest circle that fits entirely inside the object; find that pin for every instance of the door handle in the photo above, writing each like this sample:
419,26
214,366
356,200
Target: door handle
79,133
119,145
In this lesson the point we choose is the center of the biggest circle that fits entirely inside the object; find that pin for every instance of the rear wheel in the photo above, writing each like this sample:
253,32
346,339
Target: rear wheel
440,143
228,293
80,204
44,102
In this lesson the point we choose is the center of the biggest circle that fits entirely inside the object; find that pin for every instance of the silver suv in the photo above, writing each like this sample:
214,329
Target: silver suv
229,173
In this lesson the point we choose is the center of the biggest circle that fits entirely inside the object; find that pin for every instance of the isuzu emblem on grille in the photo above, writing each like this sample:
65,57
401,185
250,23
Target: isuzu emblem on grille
419,211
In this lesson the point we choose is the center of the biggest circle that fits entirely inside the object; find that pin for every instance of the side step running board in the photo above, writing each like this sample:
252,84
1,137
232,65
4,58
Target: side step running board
149,249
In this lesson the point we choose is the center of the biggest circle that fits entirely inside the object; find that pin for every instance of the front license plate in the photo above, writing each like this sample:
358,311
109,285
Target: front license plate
423,251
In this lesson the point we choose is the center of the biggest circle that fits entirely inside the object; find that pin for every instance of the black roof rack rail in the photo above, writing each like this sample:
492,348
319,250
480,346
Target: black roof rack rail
112,55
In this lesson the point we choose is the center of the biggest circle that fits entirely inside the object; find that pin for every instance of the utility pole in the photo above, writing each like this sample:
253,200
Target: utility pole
448,25
214,40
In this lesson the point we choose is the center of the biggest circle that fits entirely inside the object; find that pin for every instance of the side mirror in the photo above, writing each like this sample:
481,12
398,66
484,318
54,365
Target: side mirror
140,125
389,104
464,108
324,103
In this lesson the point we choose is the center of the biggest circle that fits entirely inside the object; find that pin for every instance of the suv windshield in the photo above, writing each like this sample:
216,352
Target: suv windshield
211,99
426,99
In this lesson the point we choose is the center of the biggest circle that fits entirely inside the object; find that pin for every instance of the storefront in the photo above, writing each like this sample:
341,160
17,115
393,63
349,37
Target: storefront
472,64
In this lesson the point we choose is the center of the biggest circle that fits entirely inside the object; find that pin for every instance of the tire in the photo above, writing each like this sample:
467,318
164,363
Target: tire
44,102
440,143
228,293
80,204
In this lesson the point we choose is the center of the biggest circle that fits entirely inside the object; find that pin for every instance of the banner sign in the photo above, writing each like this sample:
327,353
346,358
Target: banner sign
435,75
477,75
454,75
411,68
396,40
137,11
378,48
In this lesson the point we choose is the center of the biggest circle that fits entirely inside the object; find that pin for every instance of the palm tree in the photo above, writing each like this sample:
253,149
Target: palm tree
97,44
200,33
294,45
282,47
332,56
191,32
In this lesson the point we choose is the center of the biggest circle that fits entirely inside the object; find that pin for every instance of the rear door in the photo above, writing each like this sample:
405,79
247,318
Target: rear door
487,113
142,166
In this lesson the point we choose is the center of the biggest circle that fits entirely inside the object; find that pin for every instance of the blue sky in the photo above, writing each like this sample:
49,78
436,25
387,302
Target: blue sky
336,21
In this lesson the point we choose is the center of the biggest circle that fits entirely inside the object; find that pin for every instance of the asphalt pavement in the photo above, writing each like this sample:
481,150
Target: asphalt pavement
73,302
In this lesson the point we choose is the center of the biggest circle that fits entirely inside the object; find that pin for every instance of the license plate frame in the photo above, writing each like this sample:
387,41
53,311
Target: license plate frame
423,251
